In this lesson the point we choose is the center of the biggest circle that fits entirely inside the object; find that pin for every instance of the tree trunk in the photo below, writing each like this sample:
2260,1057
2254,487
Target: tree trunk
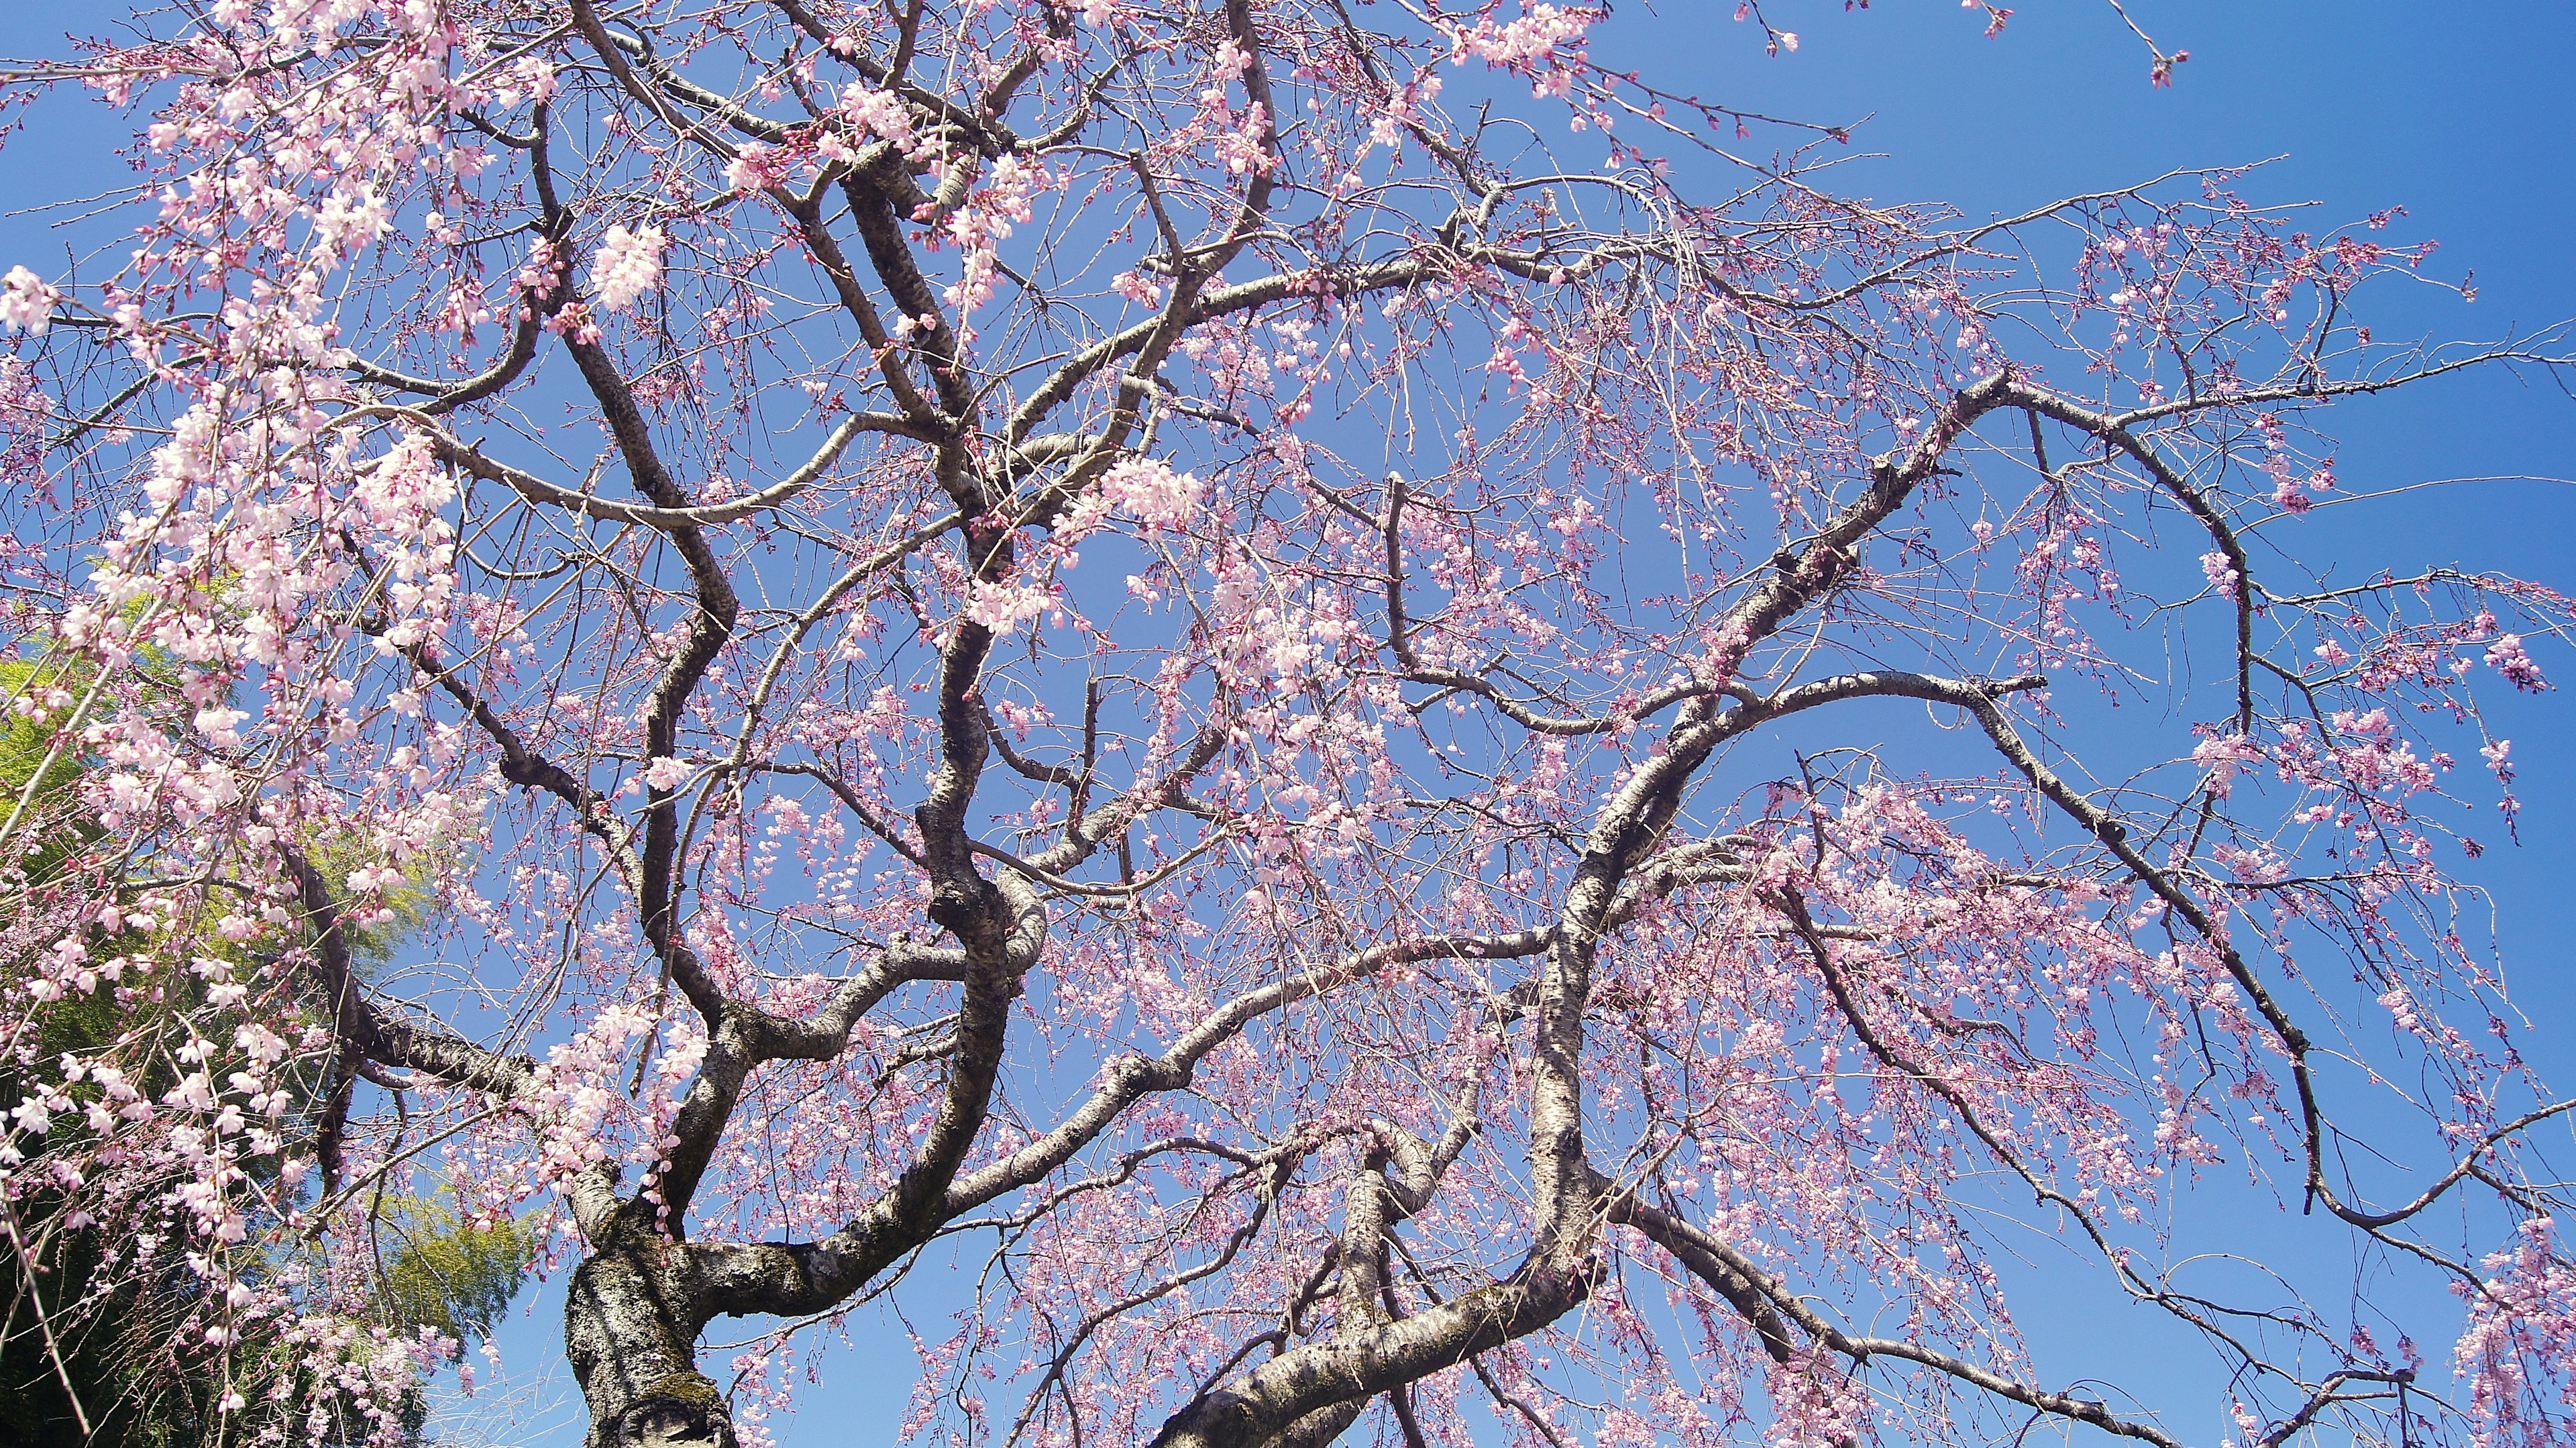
628,1330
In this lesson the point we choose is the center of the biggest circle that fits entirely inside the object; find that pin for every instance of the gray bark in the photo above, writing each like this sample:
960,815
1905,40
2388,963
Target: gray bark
629,1329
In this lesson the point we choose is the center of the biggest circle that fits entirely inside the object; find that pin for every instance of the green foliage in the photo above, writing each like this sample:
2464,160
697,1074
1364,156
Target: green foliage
435,1270
371,948
62,828
442,1273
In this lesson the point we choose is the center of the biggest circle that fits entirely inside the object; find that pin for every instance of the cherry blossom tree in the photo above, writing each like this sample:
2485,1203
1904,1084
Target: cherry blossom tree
1566,868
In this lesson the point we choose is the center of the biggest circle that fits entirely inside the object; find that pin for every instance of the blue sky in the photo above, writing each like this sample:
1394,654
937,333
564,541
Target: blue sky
2458,112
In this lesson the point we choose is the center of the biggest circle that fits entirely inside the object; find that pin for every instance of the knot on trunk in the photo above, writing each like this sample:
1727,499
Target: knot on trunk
968,907
1220,1416
683,1410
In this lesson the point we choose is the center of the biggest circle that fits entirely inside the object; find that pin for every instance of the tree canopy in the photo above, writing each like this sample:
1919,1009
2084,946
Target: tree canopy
1566,868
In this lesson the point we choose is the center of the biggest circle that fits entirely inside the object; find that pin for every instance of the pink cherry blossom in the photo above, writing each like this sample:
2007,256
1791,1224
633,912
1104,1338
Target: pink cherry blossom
26,302
1397,789
628,266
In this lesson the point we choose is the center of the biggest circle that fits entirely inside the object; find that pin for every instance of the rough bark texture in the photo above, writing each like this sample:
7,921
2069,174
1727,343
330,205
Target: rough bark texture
631,1345
1417,836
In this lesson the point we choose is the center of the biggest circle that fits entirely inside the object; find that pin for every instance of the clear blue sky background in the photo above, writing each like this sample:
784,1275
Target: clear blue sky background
2461,112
